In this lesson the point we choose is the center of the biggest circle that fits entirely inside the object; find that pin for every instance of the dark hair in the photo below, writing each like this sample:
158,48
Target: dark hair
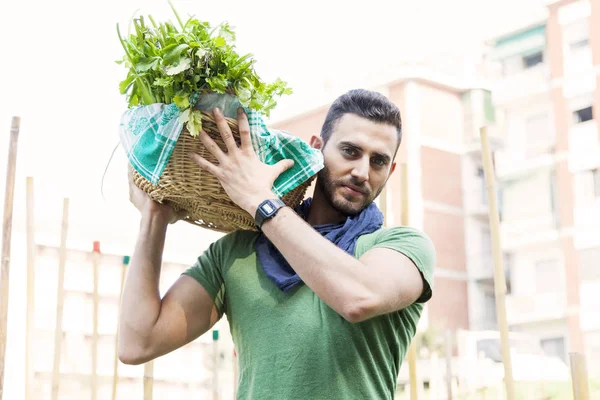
366,104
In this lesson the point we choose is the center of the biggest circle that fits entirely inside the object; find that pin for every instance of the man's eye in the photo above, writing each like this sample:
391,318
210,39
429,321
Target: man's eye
349,152
379,161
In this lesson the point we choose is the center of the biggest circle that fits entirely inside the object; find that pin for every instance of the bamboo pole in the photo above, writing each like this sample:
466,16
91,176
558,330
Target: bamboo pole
448,345
60,300
215,381
579,377
412,350
30,288
236,374
499,279
95,264
116,358
148,380
6,242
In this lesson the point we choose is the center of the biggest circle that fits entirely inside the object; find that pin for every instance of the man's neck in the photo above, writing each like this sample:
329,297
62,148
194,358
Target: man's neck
321,212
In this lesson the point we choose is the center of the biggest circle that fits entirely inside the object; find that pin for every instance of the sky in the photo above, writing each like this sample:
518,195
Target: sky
59,75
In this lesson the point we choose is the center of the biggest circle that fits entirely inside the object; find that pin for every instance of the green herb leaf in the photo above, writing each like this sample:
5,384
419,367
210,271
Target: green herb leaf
194,124
181,101
167,64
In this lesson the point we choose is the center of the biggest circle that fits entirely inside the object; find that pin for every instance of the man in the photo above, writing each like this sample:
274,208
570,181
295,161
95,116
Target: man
322,302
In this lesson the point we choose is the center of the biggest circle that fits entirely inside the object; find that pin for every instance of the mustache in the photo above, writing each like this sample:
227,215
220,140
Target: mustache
360,186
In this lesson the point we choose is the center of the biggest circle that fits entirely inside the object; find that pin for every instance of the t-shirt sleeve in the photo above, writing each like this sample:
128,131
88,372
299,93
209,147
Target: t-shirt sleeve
417,246
208,271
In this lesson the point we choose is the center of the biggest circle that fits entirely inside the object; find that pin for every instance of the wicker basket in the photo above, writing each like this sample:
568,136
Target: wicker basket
186,186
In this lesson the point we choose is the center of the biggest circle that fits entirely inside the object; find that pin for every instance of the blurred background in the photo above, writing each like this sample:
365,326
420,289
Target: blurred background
526,69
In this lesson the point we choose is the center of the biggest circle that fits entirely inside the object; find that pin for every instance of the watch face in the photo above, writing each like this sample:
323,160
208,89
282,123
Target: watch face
267,208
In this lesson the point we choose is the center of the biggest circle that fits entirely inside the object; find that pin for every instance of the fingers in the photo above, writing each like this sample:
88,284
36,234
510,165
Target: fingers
244,129
284,165
204,163
212,146
224,130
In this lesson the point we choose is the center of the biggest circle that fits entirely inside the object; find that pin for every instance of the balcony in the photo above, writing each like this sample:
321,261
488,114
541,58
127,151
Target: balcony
522,84
527,231
584,147
510,164
481,268
523,309
587,224
476,203
472,139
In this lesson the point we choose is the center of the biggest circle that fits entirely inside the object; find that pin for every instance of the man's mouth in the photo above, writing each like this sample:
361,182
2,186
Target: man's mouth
353,190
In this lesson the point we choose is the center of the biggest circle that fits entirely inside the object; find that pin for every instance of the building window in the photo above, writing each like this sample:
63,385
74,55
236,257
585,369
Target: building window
483,197
579,44
547,276
532,60
538,134
489,304
583,115
554,199
587,186
576,35
589,264
488,107
554,347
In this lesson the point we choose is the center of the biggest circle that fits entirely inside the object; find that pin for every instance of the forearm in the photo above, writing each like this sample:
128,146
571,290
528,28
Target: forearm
338,278
141,302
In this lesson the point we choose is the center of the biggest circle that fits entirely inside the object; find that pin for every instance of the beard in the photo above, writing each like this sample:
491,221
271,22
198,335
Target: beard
347,206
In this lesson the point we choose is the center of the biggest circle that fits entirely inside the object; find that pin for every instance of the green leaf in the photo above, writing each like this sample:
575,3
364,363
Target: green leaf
174,54
163,82
181,101
185,116
194,124
166,63
125,84
220,41
217,83
147,64
178,68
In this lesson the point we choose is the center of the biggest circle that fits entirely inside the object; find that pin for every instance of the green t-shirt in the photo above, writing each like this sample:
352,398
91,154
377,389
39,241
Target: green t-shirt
293,345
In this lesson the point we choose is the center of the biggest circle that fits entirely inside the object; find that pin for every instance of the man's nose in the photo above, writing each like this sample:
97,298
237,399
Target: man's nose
360,172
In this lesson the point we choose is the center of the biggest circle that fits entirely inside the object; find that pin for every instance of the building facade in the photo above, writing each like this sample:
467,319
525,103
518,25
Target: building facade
545,89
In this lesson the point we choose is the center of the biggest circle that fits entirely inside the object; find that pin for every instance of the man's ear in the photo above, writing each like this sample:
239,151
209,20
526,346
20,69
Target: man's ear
316,142
392,169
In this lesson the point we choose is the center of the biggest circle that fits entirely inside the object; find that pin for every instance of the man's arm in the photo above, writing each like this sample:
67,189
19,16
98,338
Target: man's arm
149,326
381,281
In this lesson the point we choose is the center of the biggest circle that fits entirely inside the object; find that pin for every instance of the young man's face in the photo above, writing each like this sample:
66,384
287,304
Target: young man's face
358,161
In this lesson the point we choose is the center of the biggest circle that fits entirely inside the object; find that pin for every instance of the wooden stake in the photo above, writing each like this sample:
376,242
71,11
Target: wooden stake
215,364
30,289
404,194
116,359
412,350
60,300
6,242
95,264
499,279
148,380
579,377
448,343
236,374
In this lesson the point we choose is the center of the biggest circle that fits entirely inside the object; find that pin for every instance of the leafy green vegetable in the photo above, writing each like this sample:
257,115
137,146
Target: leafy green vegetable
167,65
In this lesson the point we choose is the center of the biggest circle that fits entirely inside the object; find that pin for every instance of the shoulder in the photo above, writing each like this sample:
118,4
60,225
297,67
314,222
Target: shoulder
413,243
398,235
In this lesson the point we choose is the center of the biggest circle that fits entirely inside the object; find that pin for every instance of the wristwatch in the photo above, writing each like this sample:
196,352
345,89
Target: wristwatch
266,210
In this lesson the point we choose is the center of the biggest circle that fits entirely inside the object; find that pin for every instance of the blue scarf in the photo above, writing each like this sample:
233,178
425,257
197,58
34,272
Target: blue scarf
343,235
